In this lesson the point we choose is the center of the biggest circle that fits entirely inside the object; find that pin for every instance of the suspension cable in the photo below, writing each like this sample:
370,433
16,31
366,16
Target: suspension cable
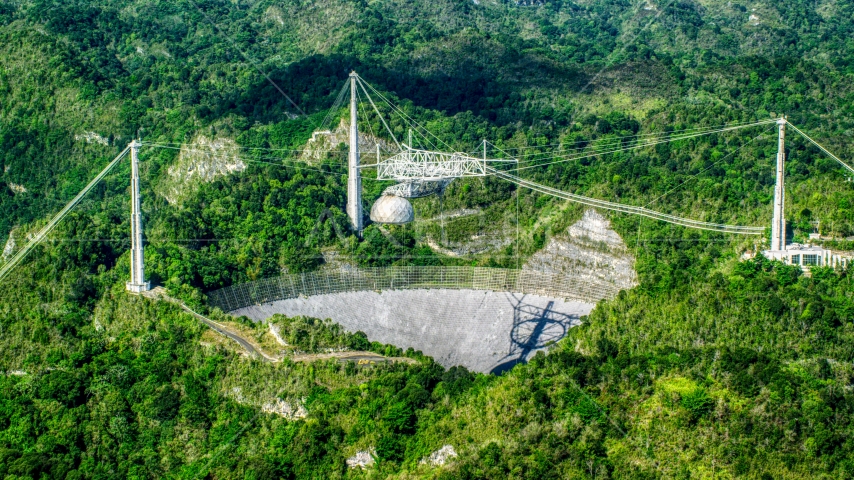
284,162
820,147
614,140
618,207
409,120
335,106
382,119
44,231
643,145
633,141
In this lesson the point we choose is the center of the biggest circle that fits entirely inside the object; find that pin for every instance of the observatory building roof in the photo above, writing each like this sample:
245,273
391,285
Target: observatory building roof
392,209
807,256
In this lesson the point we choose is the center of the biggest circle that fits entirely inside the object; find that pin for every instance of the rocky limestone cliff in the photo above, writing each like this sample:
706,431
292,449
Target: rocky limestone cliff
9,248
362,458
323,141
203,160
92,137
16,189
440,456
285,409
590,251
289,410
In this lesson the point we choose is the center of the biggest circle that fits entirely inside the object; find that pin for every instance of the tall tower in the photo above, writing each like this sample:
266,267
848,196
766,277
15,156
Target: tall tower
778,227
137,283
354,175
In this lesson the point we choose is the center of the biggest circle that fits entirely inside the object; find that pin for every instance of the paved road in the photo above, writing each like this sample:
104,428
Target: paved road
243,343
160,293
361,358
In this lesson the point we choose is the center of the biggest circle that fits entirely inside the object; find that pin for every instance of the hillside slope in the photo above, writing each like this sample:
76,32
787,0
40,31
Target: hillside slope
706,367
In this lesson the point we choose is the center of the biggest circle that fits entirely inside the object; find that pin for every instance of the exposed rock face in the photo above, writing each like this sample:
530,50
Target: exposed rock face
440,456
754,19
475,244
590,251
362,458
274,330
274,14
91,137
9,249
321,142
291,411
285,409
15,188
202,161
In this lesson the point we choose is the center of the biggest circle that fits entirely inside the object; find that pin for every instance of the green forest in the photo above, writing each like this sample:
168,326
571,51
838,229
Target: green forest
712,367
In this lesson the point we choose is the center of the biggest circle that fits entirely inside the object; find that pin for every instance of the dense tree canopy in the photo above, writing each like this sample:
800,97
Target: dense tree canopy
713,366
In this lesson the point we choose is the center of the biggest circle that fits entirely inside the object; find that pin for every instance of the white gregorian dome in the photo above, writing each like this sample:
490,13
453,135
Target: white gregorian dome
392,209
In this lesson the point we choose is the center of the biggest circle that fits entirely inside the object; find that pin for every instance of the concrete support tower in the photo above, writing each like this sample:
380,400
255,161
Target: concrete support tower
354,175
778,228
137,283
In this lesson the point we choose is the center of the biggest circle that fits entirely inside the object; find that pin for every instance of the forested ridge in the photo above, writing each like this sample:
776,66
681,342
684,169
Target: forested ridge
713,367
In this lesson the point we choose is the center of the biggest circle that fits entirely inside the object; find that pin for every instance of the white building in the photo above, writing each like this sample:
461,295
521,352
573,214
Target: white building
809,256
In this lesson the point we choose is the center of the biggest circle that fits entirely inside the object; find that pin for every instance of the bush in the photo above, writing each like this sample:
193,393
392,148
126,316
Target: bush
698,403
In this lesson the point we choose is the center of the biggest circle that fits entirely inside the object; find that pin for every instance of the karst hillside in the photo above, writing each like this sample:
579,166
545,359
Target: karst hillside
185,293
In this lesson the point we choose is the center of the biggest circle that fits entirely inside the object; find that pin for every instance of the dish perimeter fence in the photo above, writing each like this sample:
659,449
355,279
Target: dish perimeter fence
408,278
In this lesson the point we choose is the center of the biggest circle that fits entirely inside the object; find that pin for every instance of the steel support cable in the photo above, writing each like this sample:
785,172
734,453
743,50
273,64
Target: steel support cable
382,119
216,155
178,145
635,147
630,209
394,109
362,113
650,134
820,147
595,153
587,155
649,143
365,116
406,117
412,124
418,126
285,162
44,231
696,175
249,59
678,137
370,127
611,147
335,106
610,142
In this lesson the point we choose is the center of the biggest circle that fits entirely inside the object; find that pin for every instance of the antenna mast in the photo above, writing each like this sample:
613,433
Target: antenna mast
354,179
137,283
778,227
